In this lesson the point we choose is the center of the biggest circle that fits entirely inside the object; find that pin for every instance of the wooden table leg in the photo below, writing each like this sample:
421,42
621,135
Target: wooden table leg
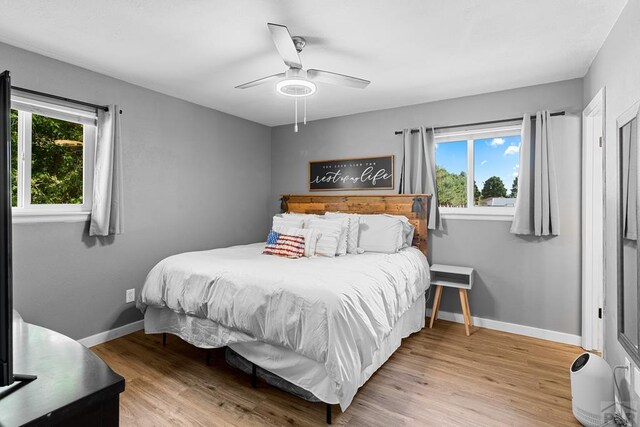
436,305
466,300
465,310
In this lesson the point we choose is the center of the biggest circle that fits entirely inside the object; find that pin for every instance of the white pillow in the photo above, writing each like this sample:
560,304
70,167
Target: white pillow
352,233
286,222
381,233
409,229
330,236
305,217
342,241
311,237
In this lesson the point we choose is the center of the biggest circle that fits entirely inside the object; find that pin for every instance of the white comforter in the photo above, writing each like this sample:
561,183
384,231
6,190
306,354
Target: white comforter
335,311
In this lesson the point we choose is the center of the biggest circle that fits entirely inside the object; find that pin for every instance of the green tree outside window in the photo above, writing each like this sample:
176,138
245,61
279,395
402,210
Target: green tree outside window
514,188
56,160
493,187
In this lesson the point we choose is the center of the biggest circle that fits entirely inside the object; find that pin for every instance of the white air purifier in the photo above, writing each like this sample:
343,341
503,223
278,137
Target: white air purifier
592,390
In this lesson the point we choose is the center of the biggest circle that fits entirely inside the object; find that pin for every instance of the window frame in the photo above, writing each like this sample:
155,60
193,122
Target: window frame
471,211
25,211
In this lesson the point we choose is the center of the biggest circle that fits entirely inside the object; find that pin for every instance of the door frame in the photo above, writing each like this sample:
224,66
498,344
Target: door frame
593,278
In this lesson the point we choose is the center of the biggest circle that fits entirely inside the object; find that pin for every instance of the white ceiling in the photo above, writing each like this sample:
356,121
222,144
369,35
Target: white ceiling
413,51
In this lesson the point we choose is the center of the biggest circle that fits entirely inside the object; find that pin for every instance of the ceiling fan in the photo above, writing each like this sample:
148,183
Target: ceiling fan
297,82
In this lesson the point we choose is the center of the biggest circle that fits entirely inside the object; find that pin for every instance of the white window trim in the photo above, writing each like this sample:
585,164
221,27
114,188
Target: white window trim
62,112
455,135
472,212
25,212
29,217
479,214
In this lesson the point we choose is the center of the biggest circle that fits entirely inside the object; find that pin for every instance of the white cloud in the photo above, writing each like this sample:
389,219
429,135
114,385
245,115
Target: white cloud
484,162
515,174
516,167
496,141
512,149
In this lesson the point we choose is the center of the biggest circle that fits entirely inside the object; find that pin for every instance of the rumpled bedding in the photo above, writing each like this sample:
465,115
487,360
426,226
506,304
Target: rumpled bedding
336,311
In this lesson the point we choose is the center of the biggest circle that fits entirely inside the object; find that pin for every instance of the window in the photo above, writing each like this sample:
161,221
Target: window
477,170
451,174
52,153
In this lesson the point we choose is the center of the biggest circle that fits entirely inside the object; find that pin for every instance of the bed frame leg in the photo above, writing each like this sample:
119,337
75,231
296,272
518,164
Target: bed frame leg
329,413
164,338
254,376
208,357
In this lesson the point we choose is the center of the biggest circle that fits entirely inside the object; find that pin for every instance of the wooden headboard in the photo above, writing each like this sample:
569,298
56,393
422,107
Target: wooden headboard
413,206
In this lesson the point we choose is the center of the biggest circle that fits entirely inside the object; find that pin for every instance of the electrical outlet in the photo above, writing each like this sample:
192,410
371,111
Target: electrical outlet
627,372
131,295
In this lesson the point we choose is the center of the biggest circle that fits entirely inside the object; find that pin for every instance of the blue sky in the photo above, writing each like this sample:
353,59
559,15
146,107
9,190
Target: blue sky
493,156
452,156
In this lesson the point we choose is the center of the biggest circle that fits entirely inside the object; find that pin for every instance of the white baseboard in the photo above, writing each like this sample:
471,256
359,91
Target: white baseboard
112,334
529,331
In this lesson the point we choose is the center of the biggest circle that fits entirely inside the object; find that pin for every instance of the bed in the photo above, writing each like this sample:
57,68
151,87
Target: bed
321,325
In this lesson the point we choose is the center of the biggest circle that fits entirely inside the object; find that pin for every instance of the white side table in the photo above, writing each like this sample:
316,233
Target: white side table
452,276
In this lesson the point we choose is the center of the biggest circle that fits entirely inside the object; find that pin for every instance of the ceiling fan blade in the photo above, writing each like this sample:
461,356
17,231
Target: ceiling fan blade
336,79
261,81
284,44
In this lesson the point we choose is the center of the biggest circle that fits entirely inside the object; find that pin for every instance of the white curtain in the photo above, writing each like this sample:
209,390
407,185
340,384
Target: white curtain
106,213
537,211
629,158
418,175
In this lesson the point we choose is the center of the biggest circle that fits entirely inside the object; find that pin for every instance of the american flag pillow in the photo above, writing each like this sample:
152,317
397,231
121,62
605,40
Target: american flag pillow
284,245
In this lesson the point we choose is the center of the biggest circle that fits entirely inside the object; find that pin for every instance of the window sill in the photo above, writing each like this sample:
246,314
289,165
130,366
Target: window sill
478,214
29,217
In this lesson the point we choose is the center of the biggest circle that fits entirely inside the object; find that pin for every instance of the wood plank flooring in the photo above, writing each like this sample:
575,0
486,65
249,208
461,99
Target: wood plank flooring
439,377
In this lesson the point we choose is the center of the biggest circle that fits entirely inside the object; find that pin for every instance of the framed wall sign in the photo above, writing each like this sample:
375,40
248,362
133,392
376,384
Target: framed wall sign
367,173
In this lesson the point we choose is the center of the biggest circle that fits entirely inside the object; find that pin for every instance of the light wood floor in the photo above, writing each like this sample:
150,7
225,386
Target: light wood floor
439,377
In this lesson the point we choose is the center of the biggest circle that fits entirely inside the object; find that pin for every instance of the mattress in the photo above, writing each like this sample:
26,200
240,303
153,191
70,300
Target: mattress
337,312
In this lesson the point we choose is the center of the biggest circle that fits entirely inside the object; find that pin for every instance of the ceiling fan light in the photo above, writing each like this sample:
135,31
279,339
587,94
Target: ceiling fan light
296,87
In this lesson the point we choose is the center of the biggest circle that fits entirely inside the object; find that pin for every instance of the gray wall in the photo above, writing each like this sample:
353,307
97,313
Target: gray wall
616,67
195,178
524,281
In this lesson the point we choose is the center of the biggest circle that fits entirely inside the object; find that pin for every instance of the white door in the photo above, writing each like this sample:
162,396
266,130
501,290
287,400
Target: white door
593,224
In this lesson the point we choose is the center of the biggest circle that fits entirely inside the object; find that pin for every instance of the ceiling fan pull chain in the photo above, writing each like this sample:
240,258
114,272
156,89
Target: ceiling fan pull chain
295,127
305,111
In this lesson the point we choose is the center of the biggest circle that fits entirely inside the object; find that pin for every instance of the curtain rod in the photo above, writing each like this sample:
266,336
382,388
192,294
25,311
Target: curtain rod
62,98
491,122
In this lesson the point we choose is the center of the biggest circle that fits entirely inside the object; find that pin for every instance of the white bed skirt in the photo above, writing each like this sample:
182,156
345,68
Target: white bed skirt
293,367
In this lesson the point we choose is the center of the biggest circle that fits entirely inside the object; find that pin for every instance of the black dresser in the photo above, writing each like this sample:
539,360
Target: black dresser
74,386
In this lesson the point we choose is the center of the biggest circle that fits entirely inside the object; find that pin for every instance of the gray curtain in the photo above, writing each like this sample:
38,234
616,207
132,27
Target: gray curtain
537,210
629,158
106,212
418,175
